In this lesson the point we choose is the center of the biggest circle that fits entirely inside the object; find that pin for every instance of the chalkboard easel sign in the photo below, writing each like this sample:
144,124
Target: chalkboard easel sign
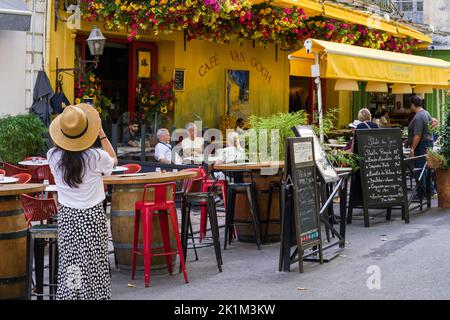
178,77
301,169
383,179
326,169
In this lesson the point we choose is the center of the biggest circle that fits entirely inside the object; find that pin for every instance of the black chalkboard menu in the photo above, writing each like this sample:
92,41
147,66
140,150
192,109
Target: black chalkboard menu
178,77
301,170
382,170
306,198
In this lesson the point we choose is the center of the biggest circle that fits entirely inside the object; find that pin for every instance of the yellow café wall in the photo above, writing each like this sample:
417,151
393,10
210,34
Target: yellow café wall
205,65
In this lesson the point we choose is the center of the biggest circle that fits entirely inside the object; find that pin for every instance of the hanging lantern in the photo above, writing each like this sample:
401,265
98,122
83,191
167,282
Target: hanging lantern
400,88
420,88
346,85
376,87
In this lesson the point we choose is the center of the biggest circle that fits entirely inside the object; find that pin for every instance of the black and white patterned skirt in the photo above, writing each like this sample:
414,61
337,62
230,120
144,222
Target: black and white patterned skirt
83,266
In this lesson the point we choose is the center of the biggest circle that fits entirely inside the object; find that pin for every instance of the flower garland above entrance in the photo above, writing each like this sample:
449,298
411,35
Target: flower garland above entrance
225,20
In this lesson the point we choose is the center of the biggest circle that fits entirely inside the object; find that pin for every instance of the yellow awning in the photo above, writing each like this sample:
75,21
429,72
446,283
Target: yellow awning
343,61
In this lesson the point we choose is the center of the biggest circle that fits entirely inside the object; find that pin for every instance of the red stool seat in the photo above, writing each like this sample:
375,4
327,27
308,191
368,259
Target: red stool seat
147,209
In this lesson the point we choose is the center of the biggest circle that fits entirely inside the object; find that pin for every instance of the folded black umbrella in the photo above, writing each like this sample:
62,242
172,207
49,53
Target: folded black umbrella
42,95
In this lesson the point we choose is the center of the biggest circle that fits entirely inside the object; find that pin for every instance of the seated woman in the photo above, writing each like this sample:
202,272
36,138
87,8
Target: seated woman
233,152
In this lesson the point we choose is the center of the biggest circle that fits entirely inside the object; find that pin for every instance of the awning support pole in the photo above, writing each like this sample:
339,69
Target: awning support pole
319,97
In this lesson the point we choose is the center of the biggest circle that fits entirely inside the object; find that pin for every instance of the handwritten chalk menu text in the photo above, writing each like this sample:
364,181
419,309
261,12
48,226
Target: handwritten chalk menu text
307,228
381,164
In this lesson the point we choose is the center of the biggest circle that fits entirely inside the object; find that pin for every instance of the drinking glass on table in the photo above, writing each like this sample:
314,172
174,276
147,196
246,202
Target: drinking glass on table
2,177
46,182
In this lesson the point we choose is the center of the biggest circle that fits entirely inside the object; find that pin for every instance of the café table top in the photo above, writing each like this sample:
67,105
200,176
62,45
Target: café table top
35,163
248,165
149,177
7,180
16,189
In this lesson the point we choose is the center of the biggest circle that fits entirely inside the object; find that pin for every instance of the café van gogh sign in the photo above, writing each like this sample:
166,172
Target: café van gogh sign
239,57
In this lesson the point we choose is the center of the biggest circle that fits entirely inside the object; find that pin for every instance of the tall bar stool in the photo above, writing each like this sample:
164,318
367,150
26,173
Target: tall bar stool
208,183
206,200
236,185
149,208
274,187
39,235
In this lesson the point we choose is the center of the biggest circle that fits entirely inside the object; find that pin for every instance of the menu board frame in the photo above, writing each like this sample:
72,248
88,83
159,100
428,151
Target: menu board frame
179,73
301,157
326,169
393,133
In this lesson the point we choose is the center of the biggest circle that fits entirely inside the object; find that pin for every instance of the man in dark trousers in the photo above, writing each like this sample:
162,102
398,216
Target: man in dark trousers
420,139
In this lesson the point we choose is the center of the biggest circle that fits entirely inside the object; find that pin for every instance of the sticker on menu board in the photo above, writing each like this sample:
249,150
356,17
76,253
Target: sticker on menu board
302,152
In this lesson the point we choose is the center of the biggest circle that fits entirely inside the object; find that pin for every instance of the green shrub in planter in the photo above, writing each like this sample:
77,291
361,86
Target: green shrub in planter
21,136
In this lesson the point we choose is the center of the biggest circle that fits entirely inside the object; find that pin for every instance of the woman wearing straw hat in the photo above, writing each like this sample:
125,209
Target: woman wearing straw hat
78,167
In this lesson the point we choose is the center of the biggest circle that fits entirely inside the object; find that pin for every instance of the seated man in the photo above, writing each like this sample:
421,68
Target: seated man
192,145
163,149
130,137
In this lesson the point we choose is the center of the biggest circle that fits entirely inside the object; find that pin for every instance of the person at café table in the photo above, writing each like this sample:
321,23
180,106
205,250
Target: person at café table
163,149
233,152
352,126
365,117
385,121
130,137
192,145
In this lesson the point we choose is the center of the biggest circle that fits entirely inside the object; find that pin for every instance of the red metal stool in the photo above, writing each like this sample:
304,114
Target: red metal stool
39,235
146,208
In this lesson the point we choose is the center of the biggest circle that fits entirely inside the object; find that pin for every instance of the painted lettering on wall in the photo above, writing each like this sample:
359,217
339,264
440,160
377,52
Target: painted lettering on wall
210,64
237,56
255,63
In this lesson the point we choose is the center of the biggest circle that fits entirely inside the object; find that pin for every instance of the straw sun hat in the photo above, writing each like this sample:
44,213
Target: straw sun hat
77,128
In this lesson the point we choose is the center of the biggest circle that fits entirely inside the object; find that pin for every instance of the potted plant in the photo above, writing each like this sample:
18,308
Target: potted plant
439,159
21,136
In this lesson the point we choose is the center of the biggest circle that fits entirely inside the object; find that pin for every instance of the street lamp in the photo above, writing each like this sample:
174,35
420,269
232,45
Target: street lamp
96,43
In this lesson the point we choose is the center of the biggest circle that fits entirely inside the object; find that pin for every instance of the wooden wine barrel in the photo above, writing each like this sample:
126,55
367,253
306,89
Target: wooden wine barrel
124,198
13,248
242,211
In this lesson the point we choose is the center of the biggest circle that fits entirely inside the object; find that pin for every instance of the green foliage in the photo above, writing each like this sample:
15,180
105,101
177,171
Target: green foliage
340,158
21,136
329,119
281,121
444,136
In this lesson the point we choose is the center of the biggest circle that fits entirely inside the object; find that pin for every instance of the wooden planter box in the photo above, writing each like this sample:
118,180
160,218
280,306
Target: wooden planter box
443,188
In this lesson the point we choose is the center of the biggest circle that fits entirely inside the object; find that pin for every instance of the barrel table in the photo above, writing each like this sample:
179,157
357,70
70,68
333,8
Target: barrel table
13,240
127,189
263,173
